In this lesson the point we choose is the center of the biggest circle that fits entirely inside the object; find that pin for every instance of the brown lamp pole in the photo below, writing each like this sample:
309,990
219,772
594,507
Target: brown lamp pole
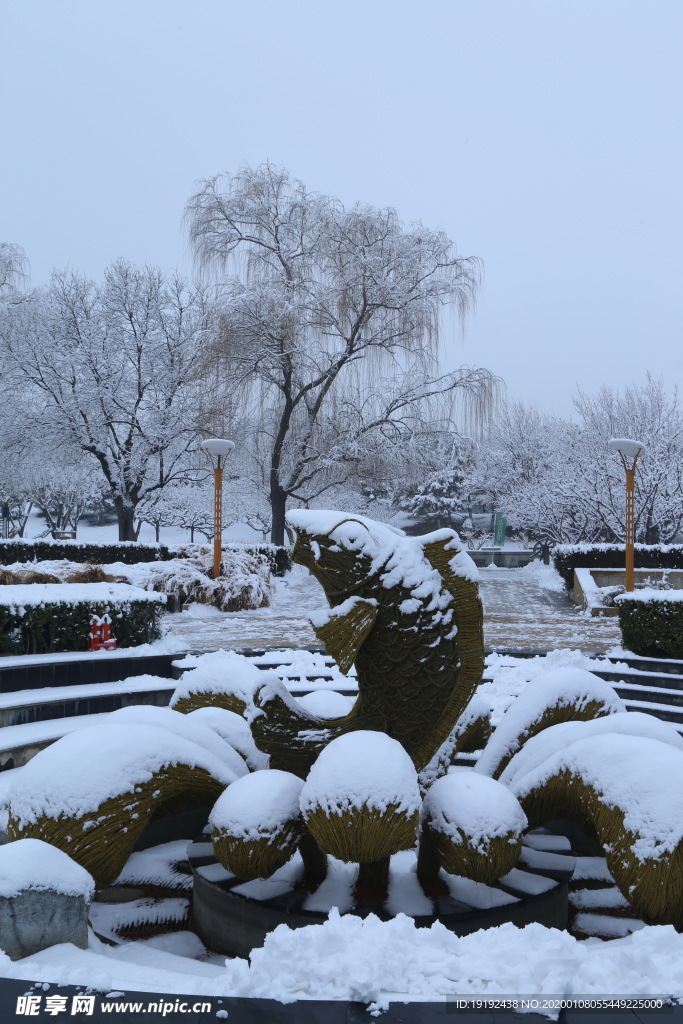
628,453
219,450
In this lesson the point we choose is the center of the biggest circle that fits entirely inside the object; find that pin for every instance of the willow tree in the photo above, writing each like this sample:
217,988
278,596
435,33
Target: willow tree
313,299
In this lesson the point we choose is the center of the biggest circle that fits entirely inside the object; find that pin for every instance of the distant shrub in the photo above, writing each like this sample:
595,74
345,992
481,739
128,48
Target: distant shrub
129,552
568,557
43,618
652,622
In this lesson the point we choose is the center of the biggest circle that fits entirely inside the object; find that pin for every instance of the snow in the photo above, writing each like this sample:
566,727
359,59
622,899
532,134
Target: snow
165,645
399,560
323,616
221,672
375,962
627,772
561,687
475,808
326,703
546,576
82,770
19,596
650,594
361,769
35,865
258,805
539,748
182,725
234,731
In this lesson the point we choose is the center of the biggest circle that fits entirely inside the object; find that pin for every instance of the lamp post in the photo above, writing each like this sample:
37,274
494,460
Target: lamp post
218,449
628,452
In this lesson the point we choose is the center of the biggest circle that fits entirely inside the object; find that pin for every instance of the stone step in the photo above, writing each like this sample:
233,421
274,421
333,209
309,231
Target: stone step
25,706
647,680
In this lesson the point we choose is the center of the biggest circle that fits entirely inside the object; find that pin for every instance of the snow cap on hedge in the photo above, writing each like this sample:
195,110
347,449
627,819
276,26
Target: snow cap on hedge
362,769
464,803
258,805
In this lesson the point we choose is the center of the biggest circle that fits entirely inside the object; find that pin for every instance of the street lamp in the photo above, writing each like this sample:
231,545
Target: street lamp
628,452
218,449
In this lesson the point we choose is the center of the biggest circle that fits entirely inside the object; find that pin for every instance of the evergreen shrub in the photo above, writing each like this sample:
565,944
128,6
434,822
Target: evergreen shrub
57,622
568,557
651,622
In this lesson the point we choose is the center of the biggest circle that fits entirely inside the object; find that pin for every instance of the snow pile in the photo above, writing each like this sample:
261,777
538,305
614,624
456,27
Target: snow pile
221,672
235,731
258,806
569,690
326,703
33,864
545,744
75,775
647,594
370,961
362,769
463,805
183,725
546,576
628,772
20,596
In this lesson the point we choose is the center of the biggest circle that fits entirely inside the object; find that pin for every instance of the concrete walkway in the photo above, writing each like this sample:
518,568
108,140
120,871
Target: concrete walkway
520,612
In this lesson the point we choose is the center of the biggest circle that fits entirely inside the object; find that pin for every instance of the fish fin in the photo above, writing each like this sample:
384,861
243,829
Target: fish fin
346,629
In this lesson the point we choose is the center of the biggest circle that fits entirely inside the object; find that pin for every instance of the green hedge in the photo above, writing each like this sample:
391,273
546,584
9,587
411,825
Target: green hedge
129,552
568,557
652,628
64,625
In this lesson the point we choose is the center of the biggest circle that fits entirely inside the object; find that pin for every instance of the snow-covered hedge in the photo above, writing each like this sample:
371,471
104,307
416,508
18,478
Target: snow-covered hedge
45,617
568,557
652,622
23,549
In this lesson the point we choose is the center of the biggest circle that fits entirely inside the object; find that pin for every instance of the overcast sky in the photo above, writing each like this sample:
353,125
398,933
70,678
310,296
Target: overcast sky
544,137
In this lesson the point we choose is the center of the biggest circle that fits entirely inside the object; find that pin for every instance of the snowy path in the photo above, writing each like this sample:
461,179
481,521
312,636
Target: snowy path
521,611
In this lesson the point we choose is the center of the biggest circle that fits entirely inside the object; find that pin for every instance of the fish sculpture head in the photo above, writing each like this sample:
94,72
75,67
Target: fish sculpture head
340,550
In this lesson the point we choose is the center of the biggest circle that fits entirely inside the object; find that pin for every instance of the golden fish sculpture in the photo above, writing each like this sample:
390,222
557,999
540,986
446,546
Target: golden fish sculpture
406,612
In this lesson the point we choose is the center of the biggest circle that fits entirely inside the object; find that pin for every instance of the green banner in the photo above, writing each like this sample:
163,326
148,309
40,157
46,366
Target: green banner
499,527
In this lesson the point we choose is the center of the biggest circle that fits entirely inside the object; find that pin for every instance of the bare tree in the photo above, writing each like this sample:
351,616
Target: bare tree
113,368
13,264
325,298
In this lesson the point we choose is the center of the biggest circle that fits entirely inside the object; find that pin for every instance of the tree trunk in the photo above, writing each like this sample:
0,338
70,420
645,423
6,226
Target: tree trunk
278,501
126,515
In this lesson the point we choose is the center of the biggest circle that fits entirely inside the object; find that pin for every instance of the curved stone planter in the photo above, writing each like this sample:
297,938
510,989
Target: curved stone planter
233,917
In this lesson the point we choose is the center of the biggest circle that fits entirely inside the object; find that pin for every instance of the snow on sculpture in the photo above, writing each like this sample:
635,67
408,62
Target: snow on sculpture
471,826
256,823
631,790
406,612
92,793
561,695
361,800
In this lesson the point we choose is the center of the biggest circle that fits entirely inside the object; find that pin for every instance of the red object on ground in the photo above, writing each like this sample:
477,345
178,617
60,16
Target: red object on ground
99,637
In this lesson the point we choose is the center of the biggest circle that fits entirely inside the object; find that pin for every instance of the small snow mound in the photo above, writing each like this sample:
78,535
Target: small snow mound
362,769
464,804
326,703
35,865
562,688
257,805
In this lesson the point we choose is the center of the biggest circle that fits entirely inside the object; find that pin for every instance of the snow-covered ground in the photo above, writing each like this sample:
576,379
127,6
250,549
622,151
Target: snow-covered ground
524,608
